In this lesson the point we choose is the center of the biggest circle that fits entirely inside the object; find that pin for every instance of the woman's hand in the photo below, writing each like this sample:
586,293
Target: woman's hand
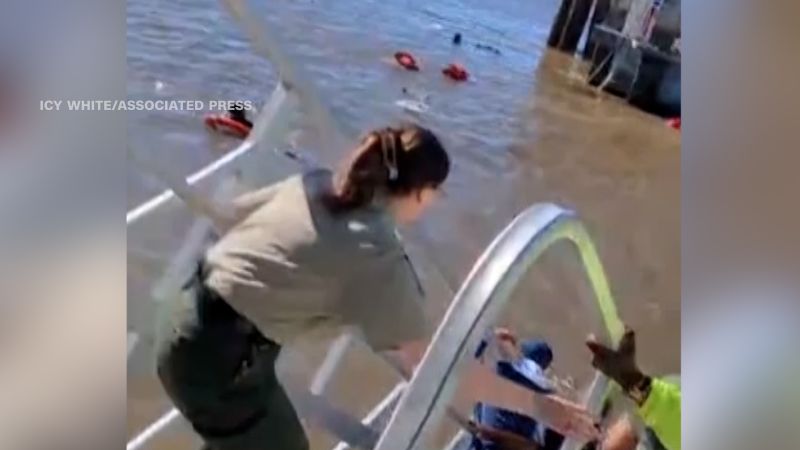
566,417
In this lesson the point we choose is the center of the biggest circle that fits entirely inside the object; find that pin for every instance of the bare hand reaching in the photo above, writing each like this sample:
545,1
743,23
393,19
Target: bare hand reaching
566,417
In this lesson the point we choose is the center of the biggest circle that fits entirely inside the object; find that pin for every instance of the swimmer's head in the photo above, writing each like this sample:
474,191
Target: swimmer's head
402,167
237,114
538,351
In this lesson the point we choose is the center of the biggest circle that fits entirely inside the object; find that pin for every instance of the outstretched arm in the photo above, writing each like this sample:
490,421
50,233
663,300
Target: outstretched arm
223,215
226,215
243,205
480,384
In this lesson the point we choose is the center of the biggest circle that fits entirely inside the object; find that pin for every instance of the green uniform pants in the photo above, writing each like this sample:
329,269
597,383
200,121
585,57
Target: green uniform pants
220,373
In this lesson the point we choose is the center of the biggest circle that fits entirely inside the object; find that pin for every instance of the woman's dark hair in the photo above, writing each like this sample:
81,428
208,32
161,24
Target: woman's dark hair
389,162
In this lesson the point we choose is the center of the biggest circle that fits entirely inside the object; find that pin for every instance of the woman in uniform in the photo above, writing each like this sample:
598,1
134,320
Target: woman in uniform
306,256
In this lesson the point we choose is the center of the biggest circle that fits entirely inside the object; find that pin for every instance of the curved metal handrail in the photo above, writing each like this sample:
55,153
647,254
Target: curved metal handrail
477,304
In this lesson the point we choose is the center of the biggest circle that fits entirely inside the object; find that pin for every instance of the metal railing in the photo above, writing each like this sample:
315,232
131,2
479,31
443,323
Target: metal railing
481,297
476,306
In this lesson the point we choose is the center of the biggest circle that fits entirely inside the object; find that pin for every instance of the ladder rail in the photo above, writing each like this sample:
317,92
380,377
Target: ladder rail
477,304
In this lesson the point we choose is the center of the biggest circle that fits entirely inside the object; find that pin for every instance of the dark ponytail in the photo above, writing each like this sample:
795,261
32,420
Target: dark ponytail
389,162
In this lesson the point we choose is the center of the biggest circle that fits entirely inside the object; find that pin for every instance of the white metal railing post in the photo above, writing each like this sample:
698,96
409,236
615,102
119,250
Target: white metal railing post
329,366
141,440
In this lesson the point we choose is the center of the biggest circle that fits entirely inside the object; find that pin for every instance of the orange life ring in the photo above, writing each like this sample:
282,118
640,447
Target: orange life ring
456,72
407,61
226,125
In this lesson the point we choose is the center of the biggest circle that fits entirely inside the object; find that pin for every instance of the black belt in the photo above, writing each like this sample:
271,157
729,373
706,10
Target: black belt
211,306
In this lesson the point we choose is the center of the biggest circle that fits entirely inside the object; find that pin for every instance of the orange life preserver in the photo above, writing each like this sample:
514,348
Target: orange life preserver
227,125
407,61
455,72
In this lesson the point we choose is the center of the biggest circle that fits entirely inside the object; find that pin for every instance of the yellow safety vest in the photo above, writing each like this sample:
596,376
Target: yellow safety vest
662,412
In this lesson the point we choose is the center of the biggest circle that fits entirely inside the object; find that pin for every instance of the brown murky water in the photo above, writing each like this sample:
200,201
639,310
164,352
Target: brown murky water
525,131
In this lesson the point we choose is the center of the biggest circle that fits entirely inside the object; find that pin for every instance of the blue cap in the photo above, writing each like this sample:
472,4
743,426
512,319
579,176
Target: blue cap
537,350
529,370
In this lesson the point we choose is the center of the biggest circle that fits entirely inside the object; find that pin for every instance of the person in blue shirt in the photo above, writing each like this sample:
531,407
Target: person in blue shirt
524,363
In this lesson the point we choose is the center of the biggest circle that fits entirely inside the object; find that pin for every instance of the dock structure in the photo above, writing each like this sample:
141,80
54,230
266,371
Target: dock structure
632,48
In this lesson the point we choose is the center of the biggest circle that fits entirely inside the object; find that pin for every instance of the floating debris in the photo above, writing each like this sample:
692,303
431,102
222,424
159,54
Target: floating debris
414,106
488,48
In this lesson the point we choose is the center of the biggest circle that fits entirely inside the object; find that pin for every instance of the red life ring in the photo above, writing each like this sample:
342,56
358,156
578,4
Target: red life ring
226,125
456,72
407,61
674,123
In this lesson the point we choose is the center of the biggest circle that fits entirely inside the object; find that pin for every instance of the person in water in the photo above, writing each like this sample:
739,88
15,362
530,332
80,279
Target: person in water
239,116
309,256
524,363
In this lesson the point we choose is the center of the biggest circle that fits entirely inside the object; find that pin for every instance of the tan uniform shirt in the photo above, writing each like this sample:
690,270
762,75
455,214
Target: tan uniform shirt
295,270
